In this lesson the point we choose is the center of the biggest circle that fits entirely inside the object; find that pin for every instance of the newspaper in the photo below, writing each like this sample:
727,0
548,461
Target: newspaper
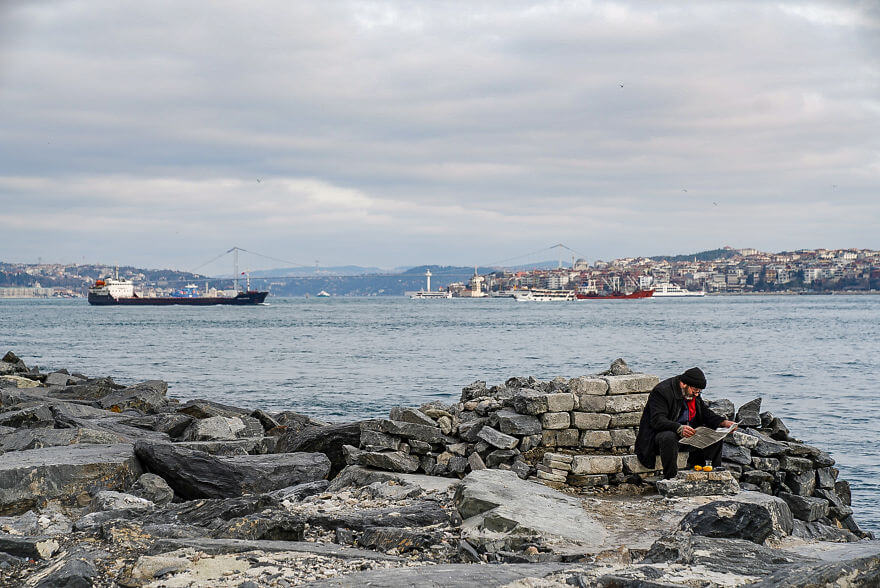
704,436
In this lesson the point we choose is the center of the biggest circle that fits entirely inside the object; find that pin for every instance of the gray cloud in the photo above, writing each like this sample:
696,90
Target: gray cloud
390,133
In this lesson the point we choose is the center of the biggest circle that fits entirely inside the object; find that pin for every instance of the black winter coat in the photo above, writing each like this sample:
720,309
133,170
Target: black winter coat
665,404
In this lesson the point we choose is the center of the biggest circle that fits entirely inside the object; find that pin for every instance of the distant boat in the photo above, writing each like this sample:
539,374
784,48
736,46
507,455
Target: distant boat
427,293
323,294
430,294
615,295
674,291
544,295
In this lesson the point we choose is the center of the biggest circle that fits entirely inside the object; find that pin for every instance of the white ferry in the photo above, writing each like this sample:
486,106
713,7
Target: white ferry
427,292
543,295
674,291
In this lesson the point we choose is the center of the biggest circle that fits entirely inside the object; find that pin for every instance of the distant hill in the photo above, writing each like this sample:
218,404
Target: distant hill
710,255
305,272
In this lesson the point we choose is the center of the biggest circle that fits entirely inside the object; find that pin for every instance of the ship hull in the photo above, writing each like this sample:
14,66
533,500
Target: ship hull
632,296
243,298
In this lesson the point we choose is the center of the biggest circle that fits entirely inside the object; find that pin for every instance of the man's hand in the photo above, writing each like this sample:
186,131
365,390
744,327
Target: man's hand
687,431
725,424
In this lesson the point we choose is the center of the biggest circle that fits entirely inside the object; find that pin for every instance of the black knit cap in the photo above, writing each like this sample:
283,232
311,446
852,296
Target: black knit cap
694,377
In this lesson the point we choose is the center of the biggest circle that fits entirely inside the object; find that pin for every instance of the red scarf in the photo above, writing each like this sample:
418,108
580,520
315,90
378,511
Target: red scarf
692,408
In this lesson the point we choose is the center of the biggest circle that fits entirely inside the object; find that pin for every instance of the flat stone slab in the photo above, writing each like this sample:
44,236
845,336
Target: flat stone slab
218,546
498,501
445,576
63,472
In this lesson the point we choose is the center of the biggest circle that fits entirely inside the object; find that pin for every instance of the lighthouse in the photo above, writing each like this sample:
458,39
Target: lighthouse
428,276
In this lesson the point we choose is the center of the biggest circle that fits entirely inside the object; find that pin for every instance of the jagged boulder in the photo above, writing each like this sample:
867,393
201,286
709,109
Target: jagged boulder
194,474
62,473
146,397
731,520
328,440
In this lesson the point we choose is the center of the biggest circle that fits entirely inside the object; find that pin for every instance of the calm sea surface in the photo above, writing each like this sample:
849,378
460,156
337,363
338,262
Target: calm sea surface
815,360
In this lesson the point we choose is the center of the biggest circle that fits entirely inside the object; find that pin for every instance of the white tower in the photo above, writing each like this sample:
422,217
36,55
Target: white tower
428,275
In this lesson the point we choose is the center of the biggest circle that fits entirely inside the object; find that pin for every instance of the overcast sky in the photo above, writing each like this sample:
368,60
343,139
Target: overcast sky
162,133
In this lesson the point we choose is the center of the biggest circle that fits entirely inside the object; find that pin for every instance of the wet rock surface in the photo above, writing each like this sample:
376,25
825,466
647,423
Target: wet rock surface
527,483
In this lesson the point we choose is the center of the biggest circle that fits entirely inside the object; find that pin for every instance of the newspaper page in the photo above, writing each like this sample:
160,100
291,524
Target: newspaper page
704,436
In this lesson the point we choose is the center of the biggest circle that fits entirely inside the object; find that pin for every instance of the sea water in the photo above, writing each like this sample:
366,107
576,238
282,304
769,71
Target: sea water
814,360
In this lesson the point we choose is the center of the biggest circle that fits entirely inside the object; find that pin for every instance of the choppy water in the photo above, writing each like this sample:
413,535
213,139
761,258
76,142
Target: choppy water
815,360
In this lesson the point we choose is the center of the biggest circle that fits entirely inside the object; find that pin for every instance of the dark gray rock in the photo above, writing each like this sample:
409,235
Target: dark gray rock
266,420
30,547
418,514
145,397
300,491
223,429
722,407
203,409
92,389
837,508
748,414
765,464
469,430
193,474
400,538
795,464
736,454
24,439
327,440
253,446
775,428
731,520
153,488
105,500
803,484
722,555
496,438
393,461
842,489
500,456
293,422
409,430
805,508
62,473
816,531
826,477
618,368
474,390
378,441
511,423
766,446
275,525
75,572
31,417
411,415
857,572
528,401
206,513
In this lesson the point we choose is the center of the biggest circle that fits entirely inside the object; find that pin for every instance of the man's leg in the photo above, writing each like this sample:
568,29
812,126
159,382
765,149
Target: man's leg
711,454
667,447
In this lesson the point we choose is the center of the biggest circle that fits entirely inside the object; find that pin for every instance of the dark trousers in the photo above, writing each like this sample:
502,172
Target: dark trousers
668,447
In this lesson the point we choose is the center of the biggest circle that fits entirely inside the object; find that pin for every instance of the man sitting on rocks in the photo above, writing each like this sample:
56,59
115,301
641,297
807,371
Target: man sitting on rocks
674,409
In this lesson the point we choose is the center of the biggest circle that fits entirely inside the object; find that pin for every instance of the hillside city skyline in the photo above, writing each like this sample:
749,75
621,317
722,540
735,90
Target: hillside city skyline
725,270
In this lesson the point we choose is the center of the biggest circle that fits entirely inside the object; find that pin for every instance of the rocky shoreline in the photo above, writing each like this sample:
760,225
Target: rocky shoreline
526,483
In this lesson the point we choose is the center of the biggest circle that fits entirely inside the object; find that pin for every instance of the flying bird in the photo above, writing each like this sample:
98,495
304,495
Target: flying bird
259,180
621,85
715,203
684,189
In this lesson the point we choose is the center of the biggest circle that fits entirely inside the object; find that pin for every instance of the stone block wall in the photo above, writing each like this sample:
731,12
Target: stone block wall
510,426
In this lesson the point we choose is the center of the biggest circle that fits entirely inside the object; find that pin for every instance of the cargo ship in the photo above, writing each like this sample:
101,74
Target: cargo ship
115,291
